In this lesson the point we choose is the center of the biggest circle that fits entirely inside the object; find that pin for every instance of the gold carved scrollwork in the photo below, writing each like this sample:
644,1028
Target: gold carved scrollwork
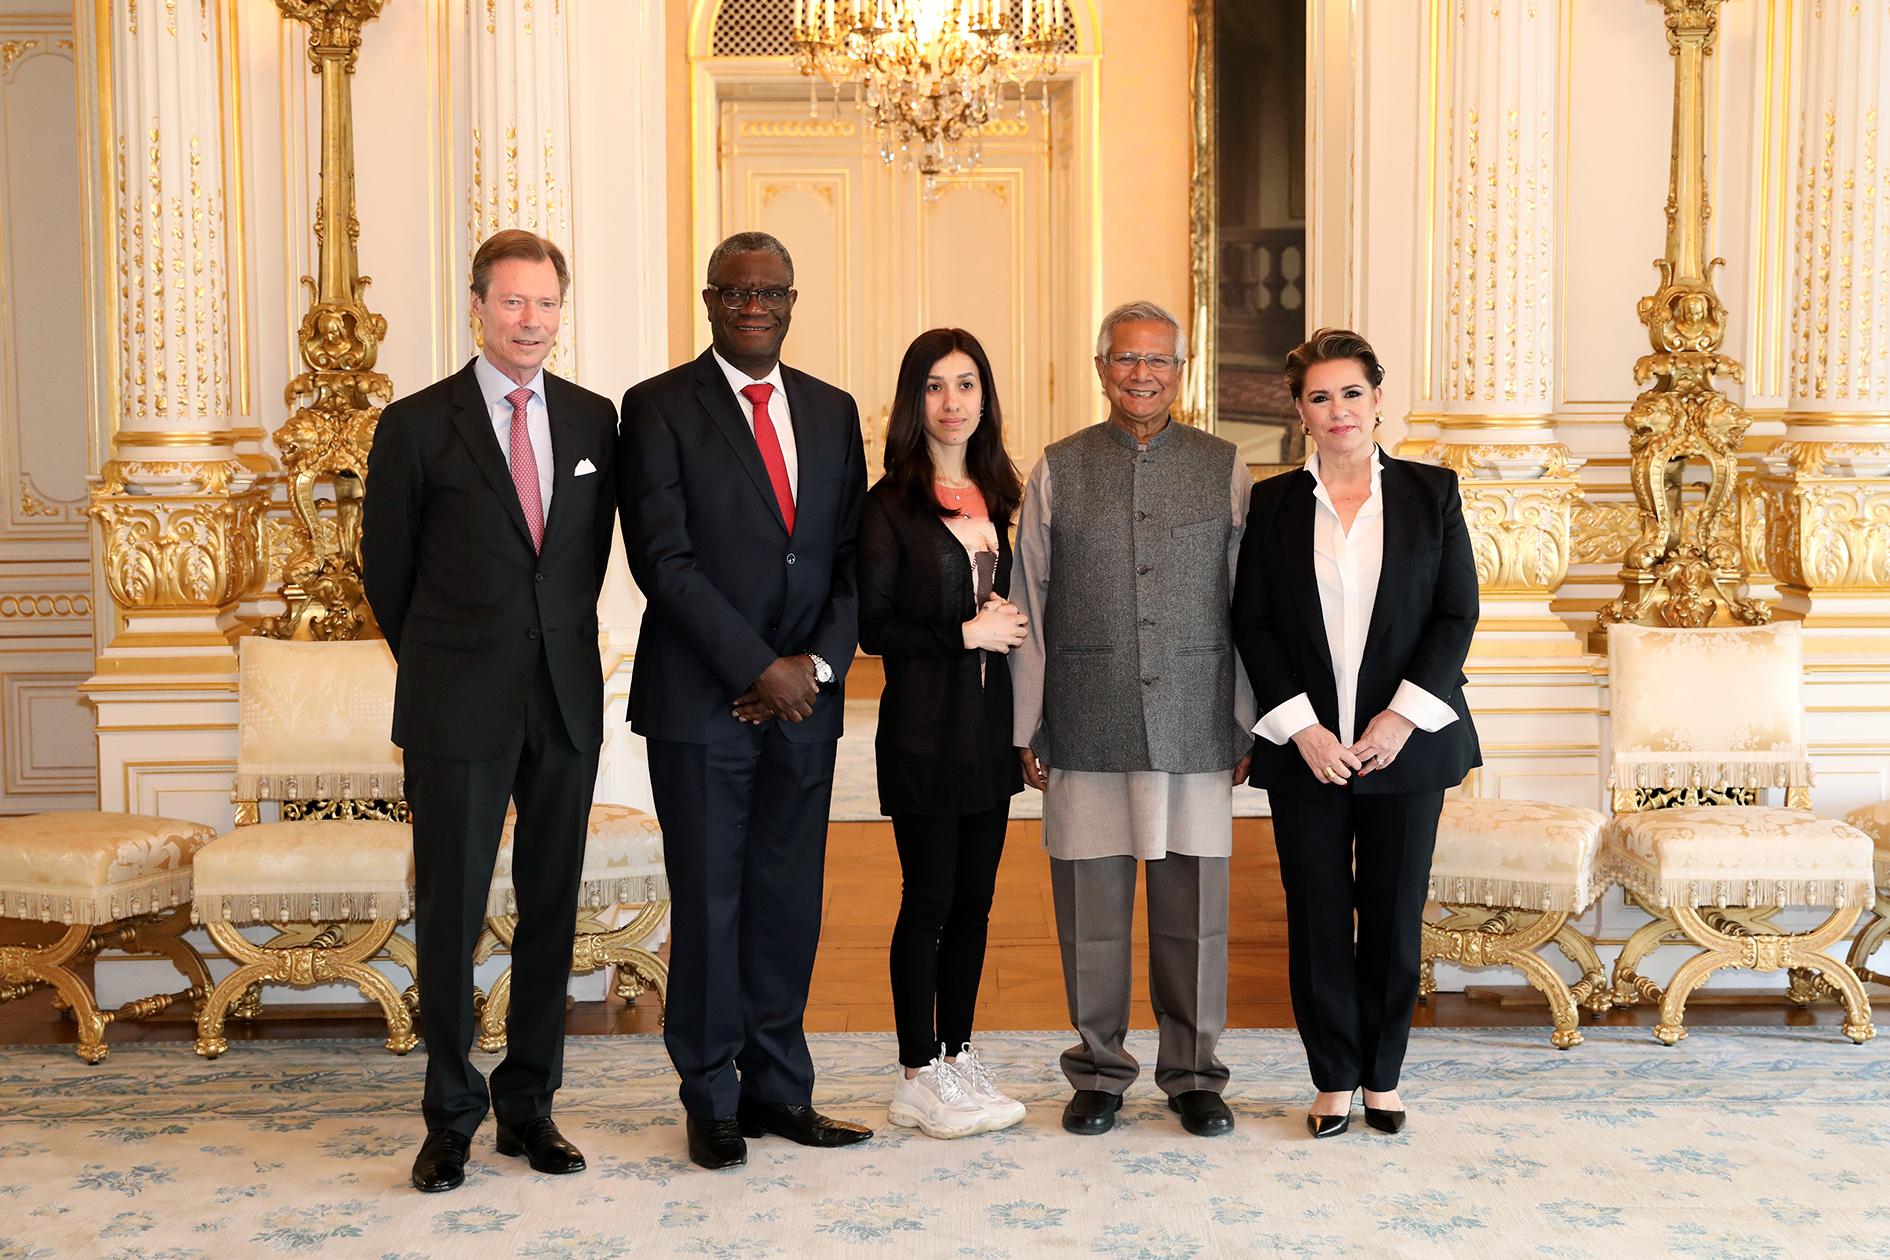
1826,528
180,552
1672,574
1520,528
327,438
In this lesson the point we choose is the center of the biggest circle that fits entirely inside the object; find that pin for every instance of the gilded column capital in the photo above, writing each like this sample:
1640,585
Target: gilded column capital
1518,503
180,552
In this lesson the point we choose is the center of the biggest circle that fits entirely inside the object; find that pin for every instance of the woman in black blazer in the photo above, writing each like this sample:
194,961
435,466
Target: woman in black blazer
1354,606
934,572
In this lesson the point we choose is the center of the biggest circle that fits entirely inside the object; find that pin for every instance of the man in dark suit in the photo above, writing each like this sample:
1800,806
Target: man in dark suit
487,532
740,483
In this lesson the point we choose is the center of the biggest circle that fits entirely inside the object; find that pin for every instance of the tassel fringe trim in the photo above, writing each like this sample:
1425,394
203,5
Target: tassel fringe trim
97,905
1639,876
1518,894
1629,773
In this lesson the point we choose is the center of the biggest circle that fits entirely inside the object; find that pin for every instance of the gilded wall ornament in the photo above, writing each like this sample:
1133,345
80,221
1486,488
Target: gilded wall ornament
183,552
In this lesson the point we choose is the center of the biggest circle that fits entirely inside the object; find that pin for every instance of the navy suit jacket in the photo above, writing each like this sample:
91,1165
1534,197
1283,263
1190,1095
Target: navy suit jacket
729,589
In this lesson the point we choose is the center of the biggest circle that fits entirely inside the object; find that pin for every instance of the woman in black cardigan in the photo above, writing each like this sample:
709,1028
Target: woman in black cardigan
934,570
1354,605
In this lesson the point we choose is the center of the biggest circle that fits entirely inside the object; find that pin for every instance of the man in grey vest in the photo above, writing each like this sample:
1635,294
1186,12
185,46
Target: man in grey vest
1133,716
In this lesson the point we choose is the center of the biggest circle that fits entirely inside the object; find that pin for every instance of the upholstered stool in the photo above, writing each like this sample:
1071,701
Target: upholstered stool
334,877
1510,875
113,881
1718,715
1873,821
623,867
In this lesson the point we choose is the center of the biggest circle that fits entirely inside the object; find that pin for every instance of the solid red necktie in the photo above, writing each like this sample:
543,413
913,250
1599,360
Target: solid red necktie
524,463
770,443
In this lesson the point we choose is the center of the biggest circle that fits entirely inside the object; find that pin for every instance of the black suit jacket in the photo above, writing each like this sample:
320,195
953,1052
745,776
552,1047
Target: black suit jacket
1422,622
729,591
464,601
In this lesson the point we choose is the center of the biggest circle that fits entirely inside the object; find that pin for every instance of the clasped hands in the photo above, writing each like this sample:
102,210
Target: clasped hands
786,690
1333,762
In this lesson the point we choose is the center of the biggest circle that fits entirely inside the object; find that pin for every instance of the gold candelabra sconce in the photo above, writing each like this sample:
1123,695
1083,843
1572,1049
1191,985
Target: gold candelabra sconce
1685,567
326,439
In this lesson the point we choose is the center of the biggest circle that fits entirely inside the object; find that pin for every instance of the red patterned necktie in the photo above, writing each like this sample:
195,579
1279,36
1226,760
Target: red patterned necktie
525,468
770,443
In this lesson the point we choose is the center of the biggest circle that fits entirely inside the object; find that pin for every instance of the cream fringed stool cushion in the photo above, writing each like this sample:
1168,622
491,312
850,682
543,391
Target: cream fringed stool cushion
1510,875
331,878
623,867
1874,821
1717,715
113,881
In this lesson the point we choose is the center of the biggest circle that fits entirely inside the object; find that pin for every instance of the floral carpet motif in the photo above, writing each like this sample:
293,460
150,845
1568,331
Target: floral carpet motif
1740,1143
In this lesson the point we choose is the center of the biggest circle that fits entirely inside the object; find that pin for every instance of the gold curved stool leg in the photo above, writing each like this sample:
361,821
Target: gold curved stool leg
1496,940
1592,991
165,936
27,968
1869,940
331,956
1629,986
1763,952
492,1013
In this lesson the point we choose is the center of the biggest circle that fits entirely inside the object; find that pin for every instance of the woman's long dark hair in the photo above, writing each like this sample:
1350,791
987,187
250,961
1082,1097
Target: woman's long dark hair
909,459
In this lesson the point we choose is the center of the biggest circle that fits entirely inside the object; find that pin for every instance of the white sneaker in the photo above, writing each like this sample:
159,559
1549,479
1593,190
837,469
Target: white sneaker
1001,1111
935,1103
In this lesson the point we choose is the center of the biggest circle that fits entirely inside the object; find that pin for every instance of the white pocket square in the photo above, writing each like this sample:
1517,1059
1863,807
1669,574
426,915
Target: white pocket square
584,467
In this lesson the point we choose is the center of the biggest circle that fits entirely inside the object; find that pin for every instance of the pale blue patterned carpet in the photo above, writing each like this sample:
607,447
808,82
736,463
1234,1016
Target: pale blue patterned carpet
1737,1144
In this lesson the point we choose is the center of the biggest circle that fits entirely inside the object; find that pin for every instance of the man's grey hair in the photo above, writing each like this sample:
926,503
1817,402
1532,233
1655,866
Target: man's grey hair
1133,312
749,243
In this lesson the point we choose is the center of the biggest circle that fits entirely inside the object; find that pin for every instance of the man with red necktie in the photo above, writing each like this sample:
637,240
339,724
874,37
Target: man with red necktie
490,496
740,484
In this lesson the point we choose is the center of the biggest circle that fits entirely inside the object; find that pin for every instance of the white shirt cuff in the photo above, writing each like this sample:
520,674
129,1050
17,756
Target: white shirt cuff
1288,719
1424,710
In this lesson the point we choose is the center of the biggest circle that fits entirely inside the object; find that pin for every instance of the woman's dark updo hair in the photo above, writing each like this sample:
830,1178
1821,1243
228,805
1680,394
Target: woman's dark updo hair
1326,346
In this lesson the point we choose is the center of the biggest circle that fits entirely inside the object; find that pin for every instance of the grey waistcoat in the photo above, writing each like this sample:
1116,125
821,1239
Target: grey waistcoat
1139,670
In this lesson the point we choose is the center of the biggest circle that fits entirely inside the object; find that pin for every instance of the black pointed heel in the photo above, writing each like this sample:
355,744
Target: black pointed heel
1327,1126
1384,1121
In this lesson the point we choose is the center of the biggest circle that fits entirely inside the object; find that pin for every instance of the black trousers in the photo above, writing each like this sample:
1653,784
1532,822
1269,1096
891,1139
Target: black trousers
458,812
745,844
1353,997
948,867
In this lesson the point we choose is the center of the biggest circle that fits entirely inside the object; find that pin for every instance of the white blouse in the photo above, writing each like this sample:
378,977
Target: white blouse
1347,567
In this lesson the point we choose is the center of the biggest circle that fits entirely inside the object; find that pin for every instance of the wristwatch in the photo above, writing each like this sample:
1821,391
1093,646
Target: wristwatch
823,672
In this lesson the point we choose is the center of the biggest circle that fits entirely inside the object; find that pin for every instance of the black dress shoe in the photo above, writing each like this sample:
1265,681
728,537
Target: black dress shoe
1203,1112
542,1145
1384,1121
441,1163
1091,1111
717,1143
1328,1126
799,1122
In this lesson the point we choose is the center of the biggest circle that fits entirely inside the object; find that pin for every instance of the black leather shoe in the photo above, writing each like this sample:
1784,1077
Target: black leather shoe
1203,1112
1091,1111
441,1163
1384,1121
798,1122
540,1143
717,1143
1328,1126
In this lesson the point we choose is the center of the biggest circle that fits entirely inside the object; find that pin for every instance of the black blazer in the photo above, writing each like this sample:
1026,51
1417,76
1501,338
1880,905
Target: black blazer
915,596
450,573
728,590
1422,622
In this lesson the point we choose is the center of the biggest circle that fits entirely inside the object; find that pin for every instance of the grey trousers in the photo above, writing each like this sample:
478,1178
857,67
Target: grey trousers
1187,967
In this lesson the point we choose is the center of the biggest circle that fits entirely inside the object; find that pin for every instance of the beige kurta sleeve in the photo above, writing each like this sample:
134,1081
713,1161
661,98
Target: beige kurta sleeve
1245,706
1030,591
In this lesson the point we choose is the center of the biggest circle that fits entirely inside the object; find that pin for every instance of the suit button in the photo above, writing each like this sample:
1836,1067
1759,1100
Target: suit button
790,557
774,625
1148,682
1141,516
532,633
1141,569
538,577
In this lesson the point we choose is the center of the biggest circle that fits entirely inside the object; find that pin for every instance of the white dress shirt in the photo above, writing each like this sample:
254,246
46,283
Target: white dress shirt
1347,565
495,385
739,380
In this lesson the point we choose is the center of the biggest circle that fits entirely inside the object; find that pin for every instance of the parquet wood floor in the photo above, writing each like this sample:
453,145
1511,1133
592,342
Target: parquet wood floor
1023,979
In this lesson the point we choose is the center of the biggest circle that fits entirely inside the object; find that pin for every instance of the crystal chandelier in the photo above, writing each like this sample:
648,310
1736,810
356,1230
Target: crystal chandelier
929,74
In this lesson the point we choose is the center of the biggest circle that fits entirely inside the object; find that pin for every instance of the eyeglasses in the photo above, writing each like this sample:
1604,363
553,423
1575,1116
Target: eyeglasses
1160,364
735,299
